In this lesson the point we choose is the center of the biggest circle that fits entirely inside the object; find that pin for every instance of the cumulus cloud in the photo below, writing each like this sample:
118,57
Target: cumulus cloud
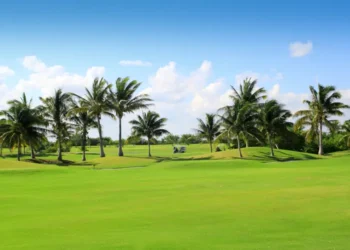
299,49
168,84
48,78
5,72
135,63
206,100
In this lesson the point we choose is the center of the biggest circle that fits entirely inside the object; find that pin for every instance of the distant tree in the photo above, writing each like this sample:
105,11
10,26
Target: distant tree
273,121
83,122
322,106
22,125
125,101
189,139
171,139
133,140
209,128
150,125
238,121
97,102
248,94
55,109
346,133
37,135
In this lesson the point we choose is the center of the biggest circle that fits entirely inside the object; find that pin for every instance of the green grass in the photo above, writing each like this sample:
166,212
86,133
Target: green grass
197,201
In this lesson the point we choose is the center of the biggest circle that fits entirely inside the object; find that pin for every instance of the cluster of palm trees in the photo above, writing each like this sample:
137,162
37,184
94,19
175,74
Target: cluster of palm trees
253,116
59,115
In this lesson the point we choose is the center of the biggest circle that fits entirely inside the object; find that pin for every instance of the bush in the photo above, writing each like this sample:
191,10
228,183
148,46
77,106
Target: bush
50,149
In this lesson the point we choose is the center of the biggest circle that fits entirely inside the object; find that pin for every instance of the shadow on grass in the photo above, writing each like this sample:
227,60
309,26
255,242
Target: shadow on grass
266,157
120,168
64,163
163,158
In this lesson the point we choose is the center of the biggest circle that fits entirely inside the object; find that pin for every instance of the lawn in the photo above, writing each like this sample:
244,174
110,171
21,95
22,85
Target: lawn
194,201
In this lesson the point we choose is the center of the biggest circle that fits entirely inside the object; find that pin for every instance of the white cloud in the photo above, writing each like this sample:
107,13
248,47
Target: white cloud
48,78
135,63
168,84
5,72
206,100
299,49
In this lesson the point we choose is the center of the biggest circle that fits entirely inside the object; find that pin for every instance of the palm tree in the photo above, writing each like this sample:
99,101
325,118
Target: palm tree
273,120
307,122
322,106
346,131
125,101
209,128
239,120
150,125
248,94
83,122
56,109
33,137
97,103
22,125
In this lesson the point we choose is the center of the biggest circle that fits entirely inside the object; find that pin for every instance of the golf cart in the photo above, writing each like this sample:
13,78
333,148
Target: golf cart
179,149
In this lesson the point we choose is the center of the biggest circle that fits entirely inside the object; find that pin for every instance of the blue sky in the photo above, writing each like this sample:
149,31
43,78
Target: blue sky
194,50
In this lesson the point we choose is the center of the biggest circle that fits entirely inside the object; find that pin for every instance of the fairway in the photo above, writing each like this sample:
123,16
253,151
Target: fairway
184,203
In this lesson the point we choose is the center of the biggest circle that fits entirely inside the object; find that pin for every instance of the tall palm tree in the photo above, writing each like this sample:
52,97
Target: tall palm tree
56,109
248,94
97,103
238,121
209,128
307,126
273,120
83,122
125,101
21,125
346,131
323,105
33,137
150,125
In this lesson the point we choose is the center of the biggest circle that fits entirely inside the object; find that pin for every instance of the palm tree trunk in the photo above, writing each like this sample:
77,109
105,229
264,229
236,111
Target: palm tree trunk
149,147
59,158
1,149
239,147
120,138
211,146
102,152
320,144
246,141
19,150
32,154
83,145
271,146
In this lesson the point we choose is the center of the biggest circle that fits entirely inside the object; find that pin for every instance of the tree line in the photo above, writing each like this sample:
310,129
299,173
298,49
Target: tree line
60,115
250,119
254,117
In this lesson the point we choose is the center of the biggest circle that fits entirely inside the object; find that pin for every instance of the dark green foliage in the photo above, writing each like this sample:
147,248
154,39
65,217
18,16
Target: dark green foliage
97,102
323,106
125,101
209,129
273,121
55,109
149,125
23,125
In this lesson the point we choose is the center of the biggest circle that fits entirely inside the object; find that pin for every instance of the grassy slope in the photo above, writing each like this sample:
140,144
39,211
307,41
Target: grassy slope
184,204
